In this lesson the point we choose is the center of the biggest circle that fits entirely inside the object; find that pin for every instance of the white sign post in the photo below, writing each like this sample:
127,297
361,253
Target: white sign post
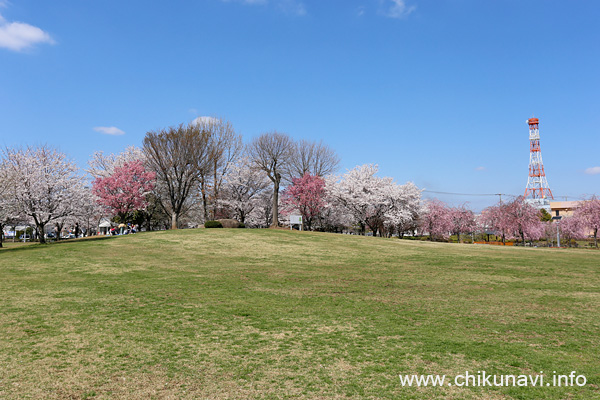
295,220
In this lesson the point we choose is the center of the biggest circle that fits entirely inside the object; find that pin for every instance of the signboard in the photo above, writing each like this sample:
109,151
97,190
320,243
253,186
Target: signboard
296,219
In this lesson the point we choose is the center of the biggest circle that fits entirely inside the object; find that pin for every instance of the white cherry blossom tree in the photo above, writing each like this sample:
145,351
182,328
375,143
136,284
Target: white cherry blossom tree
46,185
241,189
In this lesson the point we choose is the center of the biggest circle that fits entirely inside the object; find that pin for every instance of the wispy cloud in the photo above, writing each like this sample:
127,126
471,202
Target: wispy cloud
480,169
109,130
593,171
360,11
397,9
19,36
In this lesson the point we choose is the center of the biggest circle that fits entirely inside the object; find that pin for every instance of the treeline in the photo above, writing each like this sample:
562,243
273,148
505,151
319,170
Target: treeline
186,175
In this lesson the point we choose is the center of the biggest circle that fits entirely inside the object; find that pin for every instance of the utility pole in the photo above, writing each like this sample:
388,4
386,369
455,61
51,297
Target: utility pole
557,219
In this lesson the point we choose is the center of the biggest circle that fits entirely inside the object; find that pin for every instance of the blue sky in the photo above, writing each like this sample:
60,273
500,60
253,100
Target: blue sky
434,91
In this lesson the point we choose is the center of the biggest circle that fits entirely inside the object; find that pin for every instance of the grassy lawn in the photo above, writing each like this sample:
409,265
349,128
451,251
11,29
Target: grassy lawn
246,314
9,244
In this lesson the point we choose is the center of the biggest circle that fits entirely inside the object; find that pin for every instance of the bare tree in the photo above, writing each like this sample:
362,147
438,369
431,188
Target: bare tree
315,158
225,147
177,155
271,153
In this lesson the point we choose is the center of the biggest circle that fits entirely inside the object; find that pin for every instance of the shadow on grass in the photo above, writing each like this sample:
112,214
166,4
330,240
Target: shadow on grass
38,245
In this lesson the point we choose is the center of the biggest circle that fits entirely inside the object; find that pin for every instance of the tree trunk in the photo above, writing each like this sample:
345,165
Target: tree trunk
215,191
174,218
1,234
596,237
275,220
204,205
458,236
41,230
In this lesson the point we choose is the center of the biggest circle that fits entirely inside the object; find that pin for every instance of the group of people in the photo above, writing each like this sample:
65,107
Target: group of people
123,229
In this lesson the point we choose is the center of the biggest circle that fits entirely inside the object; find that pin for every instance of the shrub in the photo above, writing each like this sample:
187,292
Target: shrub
242,225
213,224
229,223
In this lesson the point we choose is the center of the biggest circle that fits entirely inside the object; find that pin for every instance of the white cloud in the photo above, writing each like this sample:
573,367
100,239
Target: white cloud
109,130
593,171
18,36
480,169
398,9
204,120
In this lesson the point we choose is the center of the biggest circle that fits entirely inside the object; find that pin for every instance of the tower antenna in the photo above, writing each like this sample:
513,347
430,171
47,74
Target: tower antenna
537,191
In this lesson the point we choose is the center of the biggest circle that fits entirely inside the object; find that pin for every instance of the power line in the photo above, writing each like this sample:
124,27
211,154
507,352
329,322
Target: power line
499,194
470,194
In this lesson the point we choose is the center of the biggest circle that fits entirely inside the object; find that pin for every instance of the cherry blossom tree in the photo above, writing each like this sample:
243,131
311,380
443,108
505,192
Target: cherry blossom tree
102,166
89,212
374,202
307,195
262,214
573,228
589,211
6,202
46,184
494,219
363,195
242,188
436,219
125,190
462,220
523,220
405,208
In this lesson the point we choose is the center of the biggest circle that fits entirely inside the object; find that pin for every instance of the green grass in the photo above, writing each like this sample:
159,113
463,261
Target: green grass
245,314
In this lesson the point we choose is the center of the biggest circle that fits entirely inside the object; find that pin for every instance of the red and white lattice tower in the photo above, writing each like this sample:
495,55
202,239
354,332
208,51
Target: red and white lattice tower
537,190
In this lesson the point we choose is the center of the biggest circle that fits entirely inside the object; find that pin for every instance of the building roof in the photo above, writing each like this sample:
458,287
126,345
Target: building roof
564,205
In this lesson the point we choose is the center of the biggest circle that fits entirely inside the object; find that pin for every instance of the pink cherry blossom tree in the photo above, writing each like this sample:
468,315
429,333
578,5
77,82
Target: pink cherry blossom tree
589,211
307,195
491,220
523,220
125,190
436,220
571,228
462,220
